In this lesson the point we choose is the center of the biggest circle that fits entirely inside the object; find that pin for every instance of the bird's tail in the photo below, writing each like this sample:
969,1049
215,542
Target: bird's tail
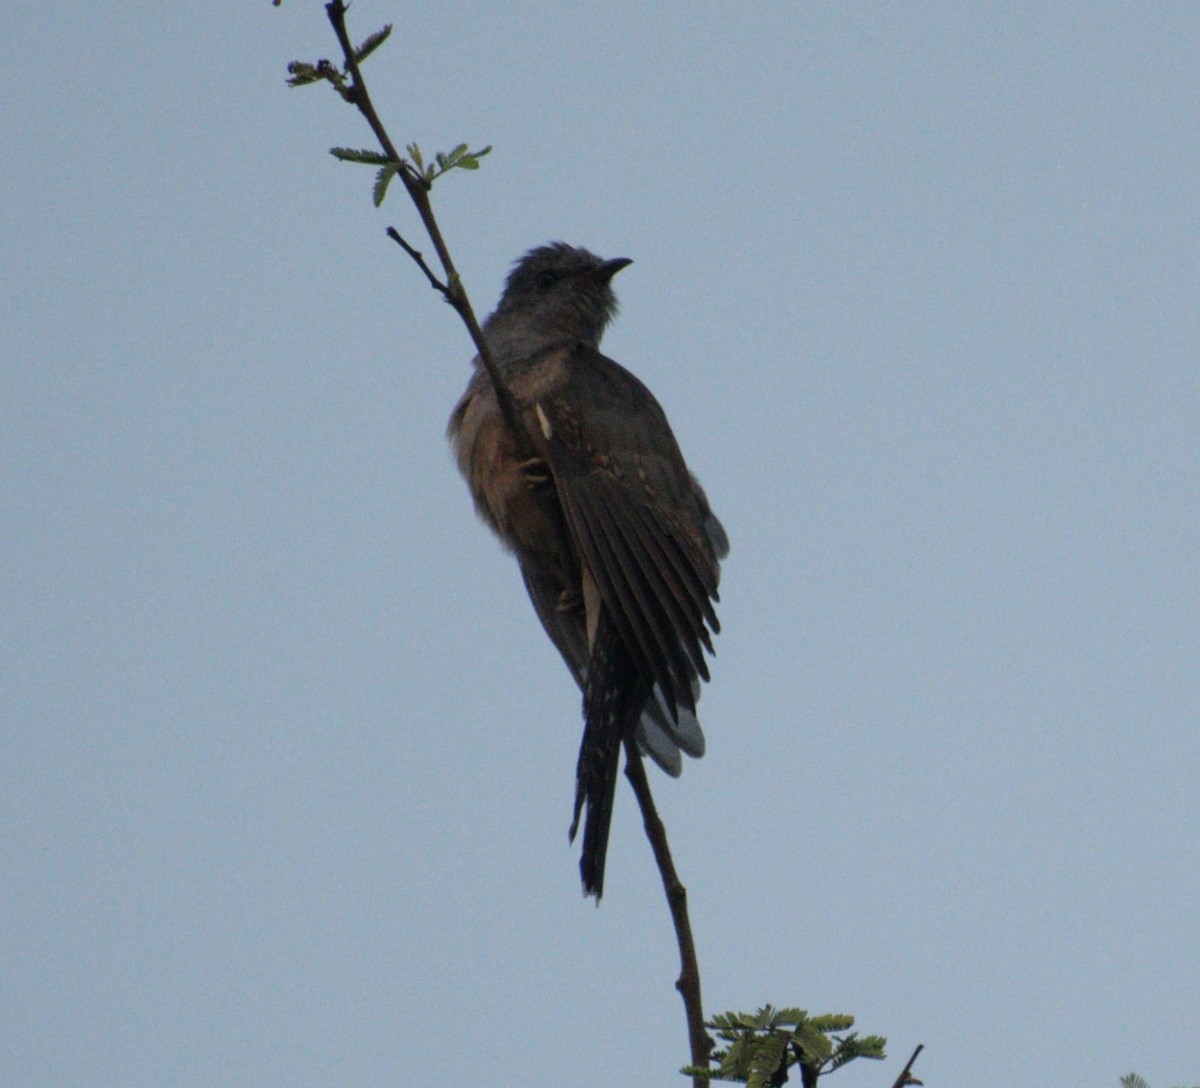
613,700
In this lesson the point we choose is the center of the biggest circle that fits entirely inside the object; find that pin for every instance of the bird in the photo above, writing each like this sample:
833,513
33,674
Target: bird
616,542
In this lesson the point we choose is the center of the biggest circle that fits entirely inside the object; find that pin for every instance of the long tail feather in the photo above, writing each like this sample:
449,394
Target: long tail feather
615,695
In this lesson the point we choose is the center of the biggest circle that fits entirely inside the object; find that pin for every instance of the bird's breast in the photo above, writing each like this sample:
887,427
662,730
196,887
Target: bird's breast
520,504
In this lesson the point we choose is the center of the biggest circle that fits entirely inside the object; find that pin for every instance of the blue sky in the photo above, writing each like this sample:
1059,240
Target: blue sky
287,761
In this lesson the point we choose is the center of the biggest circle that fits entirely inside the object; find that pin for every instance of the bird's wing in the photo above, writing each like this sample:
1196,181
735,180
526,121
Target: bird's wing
565,626
639,523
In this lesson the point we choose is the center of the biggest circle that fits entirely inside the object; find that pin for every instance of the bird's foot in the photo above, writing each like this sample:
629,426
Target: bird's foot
569,600
536,472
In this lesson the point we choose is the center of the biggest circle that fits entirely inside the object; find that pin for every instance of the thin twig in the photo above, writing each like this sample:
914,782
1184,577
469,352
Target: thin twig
688,983
418,190
906,1076
451,288
419,259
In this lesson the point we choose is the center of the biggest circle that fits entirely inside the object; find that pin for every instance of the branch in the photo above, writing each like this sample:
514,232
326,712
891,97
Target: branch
688,983
419,259
417,187
906,1076
353,89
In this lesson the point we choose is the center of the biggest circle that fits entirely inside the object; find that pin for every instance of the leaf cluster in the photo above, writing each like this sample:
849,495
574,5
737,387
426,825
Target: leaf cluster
1132,1080
764,1045
301,72
458,159
343,81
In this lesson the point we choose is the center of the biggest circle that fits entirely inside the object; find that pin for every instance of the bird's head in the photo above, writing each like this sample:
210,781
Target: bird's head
562,292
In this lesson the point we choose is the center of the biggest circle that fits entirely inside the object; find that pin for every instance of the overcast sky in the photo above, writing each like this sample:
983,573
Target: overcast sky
287,762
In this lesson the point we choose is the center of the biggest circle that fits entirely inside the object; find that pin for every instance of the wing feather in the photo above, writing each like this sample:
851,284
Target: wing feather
638,519
640,570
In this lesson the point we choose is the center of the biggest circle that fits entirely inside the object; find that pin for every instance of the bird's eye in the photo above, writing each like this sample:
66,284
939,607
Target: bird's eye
545,280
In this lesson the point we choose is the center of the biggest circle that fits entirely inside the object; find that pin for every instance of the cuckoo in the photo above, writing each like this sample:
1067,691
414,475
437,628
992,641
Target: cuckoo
614,536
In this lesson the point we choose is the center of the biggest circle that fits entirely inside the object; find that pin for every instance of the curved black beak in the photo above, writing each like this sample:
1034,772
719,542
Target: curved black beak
610,268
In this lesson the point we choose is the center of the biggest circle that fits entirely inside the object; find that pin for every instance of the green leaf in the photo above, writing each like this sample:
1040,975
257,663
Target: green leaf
757,1020
302,73
733,1065
870,1046
767,1058
833,1021
351,154
414,153
372,43
722,1021
790,1017
382,180
814,1042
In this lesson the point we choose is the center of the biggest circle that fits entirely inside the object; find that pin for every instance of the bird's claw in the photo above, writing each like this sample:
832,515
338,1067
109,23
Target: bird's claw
569,600
536,472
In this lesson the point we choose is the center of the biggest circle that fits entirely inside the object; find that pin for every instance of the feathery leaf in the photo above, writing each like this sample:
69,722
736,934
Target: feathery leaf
373,42
352,154
382,180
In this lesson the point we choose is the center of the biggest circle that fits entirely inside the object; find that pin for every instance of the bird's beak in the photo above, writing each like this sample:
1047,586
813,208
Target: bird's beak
610,268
